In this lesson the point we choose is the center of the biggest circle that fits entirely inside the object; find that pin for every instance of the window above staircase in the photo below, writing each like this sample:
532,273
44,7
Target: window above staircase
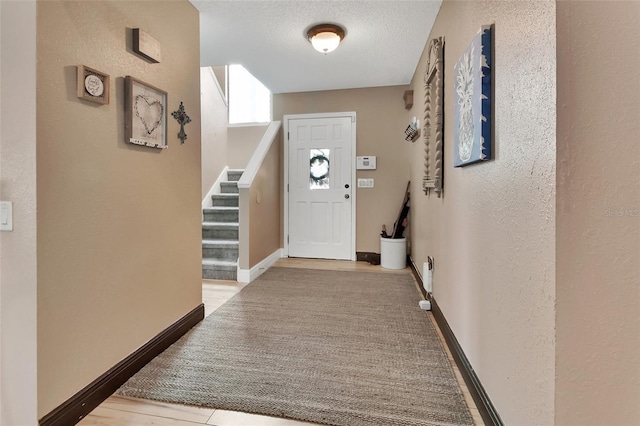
249,99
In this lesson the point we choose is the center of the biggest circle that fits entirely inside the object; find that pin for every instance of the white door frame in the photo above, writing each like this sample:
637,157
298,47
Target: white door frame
286,118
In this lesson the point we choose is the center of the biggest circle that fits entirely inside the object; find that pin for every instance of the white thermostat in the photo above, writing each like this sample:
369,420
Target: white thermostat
366,163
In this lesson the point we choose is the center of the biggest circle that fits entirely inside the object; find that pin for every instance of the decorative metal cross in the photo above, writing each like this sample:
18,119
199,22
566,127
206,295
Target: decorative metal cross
183,119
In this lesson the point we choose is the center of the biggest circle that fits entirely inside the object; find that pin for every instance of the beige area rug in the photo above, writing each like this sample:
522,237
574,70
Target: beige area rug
332,347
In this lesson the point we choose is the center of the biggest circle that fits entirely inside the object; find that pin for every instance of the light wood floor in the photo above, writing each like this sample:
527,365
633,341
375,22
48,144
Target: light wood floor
122,411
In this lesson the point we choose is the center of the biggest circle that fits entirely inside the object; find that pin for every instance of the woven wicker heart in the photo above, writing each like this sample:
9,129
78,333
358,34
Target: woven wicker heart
149,111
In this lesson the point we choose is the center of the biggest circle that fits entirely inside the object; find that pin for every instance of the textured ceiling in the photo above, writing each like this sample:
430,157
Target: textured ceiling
382,46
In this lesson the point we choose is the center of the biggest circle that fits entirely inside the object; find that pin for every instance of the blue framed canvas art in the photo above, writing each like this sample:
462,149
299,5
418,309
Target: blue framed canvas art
472,117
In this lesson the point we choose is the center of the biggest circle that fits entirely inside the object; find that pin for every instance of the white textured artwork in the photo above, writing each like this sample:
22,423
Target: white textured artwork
146,114
464,89
472,119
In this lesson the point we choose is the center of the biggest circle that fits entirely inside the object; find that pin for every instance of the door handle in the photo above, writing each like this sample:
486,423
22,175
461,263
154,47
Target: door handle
346,196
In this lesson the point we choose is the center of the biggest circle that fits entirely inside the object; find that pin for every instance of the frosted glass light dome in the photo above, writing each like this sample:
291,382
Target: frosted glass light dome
325,38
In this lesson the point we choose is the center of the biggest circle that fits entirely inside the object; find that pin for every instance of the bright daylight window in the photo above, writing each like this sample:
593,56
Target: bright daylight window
249,100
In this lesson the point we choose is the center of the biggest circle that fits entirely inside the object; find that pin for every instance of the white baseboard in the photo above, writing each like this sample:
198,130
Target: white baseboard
215,189
248,275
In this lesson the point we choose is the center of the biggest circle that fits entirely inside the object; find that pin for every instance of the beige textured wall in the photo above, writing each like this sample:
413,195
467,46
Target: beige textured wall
242,142
381,120
265,206
119,228
493,233
214,130
18,356
598,216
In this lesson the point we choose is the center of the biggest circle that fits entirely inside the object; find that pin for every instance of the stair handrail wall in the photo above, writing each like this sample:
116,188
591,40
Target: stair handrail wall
257,158
252,259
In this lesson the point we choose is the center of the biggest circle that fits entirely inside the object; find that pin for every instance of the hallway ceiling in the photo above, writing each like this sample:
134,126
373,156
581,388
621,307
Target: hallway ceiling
383,43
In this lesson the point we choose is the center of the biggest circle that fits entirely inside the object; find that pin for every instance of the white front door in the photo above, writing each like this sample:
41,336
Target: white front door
320,183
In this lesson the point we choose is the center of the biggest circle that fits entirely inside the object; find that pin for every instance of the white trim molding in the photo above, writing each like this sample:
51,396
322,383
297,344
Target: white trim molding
258,156
215,188
249,275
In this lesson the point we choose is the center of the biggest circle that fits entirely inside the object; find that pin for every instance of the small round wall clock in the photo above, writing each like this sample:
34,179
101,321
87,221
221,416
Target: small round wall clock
93,85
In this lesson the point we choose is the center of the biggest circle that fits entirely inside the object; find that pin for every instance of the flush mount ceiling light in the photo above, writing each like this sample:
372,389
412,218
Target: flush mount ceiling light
325,38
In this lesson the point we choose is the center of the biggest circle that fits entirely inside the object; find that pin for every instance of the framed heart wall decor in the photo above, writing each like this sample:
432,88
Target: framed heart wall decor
145,114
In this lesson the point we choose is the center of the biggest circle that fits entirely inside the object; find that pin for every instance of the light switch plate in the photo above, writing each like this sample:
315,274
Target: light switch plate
365,183
6,216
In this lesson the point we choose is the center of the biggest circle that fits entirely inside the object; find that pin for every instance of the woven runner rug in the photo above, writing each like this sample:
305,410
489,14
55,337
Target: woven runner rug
330,347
